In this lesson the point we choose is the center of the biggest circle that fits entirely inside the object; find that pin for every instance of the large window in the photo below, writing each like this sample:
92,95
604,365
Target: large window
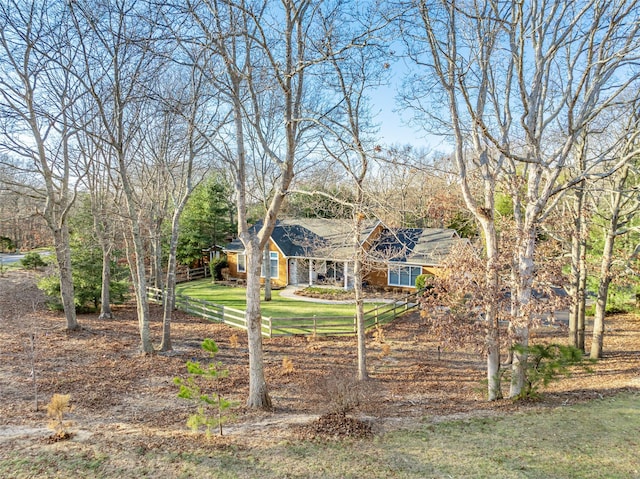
273,261
404,275
242,263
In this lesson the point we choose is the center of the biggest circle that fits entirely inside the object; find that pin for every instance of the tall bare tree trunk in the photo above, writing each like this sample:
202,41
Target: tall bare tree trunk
525,272
170,285
169,300
582,287
258,392
578,270
597,342
63,257
138,269
494,390
605,267
105,291
358,278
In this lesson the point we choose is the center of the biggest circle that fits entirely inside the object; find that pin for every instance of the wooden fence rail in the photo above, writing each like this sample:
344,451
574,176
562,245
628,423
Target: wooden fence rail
307,326
191,274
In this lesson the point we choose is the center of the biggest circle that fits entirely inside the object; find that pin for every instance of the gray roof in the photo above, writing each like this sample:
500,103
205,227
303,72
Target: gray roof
318,238
321,238
422,246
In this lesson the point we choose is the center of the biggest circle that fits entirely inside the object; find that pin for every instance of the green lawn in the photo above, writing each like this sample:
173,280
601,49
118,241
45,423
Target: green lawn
595,440
278,307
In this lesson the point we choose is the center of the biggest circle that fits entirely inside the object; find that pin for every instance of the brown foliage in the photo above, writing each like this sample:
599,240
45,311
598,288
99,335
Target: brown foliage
458,296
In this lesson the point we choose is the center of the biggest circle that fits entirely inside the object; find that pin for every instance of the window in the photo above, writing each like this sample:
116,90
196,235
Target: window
242,263
404,275
273,262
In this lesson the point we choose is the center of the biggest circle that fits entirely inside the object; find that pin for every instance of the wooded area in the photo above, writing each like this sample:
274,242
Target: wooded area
134,134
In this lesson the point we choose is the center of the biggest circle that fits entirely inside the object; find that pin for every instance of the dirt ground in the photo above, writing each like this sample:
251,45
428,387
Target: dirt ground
120,396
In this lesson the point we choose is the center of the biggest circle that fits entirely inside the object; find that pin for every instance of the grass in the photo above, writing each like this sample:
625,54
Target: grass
598,439
278,307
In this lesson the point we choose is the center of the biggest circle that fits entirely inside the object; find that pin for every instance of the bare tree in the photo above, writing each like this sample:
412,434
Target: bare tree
186,118
104,193
38,102
355,69
619,206
254,49
522,82
471,152
118,68
267,55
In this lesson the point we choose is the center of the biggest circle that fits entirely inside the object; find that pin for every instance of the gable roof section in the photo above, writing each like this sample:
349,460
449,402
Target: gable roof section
321,238
422,246
317,238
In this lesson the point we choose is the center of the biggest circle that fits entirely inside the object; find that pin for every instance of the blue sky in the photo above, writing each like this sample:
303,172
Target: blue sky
394,127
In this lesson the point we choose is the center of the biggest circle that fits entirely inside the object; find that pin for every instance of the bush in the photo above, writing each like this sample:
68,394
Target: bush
216,267
341,392
421,282
33,261
6,244
87,283
57,409
546,363
50,286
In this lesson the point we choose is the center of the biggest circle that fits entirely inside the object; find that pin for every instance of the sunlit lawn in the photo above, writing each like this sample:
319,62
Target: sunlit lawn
278,307
595,440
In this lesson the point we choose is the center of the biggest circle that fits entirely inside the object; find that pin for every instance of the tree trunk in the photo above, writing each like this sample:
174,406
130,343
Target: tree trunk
63,257
575,284
258,392
582,289
139,274
156,254
578,269
603,290
169,301
494,390
141,298
525,272
358,278
105,292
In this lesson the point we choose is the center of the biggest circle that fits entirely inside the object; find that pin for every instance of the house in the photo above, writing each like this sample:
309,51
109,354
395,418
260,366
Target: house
319,251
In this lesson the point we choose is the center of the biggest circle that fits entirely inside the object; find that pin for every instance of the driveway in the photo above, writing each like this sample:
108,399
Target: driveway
10,258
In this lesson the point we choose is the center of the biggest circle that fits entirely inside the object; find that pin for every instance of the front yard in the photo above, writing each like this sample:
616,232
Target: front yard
278,307
426,404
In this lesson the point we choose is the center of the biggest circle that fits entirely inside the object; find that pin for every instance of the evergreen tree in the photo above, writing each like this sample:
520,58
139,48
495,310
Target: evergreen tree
207,219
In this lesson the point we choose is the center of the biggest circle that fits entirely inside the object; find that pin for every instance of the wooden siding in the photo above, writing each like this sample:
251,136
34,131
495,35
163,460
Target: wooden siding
379,277
283,271
232,261
283,267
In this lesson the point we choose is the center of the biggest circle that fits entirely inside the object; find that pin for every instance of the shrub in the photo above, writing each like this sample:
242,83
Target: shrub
50,285
421,281
87,283
341,392
287,365
33,261
6,244
216,267
547,363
